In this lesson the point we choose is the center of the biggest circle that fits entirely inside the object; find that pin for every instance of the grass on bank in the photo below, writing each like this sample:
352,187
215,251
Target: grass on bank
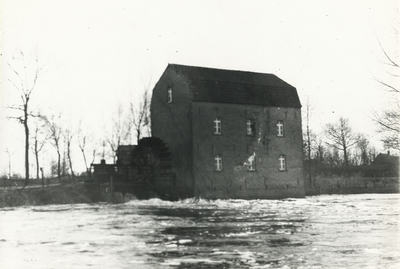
61,194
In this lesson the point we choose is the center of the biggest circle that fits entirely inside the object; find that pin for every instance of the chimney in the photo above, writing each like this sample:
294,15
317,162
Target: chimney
388,153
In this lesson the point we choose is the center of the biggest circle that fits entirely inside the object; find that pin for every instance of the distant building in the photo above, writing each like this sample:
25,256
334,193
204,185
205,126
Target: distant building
231,134
386,165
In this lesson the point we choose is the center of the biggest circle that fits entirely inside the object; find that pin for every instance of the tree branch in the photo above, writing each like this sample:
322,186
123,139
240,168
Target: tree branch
392,63
18,75
20,119
20,108
393,89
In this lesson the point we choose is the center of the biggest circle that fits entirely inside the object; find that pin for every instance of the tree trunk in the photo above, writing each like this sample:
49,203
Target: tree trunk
346,160
37,165
9,166
70,161
41,169
26,143
137,135
309,154
37,160
84,159
59,166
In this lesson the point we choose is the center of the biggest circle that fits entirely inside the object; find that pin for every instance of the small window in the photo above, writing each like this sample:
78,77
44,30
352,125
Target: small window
282,163
279,126
251,163
169,97
218,162
217,126
250,127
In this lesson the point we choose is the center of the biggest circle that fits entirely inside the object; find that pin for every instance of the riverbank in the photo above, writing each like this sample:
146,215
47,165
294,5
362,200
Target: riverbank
80,193
60,194
353,185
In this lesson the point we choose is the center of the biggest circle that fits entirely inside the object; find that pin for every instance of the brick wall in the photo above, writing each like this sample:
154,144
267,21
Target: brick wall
172,123
235,147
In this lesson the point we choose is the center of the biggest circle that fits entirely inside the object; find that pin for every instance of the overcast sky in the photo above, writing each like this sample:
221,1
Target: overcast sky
99,53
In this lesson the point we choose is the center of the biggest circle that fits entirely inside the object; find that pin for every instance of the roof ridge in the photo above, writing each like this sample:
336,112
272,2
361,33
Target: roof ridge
223,69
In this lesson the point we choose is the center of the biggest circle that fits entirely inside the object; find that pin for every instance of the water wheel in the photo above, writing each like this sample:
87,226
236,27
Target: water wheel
152,159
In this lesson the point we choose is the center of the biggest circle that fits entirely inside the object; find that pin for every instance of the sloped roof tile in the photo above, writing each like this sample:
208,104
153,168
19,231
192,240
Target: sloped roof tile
239,87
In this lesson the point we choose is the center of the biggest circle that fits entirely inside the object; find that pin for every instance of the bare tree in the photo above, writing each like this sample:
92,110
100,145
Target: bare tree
309,140
342,137
24,82
84,141
372,154
68,137
64,161
39,140
320,151
119,133
140,118
55,134
389,127
394,72
363,147
9,162
320,154
94,153
388,121
333,158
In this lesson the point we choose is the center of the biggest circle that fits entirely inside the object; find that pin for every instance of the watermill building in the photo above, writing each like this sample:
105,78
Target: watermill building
231,134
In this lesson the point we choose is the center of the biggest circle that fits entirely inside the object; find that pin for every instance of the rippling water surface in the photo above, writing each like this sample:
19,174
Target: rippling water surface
353,231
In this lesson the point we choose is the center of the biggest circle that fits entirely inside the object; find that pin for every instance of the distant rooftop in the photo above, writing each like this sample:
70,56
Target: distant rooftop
239,87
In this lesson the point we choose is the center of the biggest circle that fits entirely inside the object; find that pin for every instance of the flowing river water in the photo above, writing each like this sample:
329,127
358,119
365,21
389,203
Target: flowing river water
352,231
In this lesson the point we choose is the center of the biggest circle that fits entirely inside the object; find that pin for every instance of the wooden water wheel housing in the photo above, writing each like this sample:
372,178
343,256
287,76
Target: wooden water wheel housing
153,161
152,176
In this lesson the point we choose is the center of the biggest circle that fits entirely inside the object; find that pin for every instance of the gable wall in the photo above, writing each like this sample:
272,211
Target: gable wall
172,123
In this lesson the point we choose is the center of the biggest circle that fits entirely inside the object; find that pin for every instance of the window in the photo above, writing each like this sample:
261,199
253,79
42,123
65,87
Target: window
251,164
169,96
217,126
279,126
282,163
250,127
218,162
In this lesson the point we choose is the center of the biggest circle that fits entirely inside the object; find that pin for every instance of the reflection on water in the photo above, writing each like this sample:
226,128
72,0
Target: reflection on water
354,231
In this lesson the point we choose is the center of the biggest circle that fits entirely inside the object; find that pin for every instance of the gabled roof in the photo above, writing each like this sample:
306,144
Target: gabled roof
238,87
383,158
